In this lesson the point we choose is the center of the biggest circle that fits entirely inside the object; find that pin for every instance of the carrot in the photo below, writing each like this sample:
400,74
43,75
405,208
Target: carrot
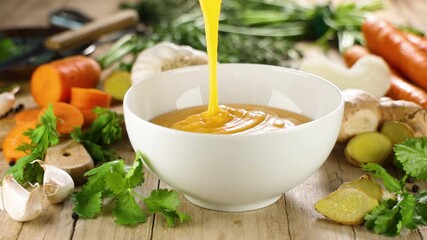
67,117
400,89
16,138
385,40
52,82
29,115
86,99
420,41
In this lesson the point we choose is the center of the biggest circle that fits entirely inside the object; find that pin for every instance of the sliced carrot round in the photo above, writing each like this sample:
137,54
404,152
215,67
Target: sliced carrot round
16,138
67,117
29,115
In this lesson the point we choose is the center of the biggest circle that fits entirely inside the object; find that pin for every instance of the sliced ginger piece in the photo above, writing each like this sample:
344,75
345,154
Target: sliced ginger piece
117,83
369,147
346,206
397,131
366,185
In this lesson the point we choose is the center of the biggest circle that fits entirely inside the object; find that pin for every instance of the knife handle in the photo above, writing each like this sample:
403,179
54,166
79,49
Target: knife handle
91,31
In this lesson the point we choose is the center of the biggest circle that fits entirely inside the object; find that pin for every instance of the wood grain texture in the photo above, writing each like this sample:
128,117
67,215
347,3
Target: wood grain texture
292,217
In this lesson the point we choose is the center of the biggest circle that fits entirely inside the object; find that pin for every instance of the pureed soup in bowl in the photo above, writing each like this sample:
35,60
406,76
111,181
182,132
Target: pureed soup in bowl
240,171
276,127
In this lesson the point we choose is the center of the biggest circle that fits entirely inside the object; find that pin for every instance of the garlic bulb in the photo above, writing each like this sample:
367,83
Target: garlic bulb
165,56
7,100
19,203
57,183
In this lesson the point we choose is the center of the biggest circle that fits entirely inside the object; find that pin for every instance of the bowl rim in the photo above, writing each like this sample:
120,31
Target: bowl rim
127,109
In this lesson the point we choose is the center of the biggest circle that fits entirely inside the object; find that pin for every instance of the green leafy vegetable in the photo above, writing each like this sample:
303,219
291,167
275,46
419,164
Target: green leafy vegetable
251,31
105,130
412,155
42,137
115,181
392,216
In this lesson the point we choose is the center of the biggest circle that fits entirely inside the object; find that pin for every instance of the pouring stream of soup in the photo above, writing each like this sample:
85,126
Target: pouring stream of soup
221,119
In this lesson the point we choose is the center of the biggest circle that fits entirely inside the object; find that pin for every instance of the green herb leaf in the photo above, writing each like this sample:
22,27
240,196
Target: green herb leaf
42,137
390,183
421,208
165,202
116,181
391,216
127,211
105,130
412,154
87,203
135,175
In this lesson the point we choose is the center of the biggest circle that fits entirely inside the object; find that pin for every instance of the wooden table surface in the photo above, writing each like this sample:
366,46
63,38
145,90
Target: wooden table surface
292,217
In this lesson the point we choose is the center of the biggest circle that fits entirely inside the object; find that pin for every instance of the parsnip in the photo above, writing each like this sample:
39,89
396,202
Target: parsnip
370,73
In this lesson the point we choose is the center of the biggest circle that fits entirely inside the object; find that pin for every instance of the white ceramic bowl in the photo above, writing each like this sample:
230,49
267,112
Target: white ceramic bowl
241,172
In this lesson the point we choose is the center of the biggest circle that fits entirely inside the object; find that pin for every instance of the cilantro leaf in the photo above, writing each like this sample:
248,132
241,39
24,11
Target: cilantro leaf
87,203
117,181
421,208
42,137
105,130
391,216
390,183
127,211
18,170
135,175
165,202
412,154
384,219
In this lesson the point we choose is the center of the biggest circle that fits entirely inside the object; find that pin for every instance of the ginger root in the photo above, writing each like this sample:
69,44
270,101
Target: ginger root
346,206
407,112
369,147
362,113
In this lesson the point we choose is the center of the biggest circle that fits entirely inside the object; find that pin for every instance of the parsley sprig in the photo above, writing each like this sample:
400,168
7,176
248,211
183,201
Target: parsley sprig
406,210
114,181
105,130
42,137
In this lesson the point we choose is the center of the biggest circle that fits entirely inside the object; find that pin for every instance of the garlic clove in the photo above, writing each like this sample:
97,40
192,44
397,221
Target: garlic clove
57,183
19,203
7,100
165,56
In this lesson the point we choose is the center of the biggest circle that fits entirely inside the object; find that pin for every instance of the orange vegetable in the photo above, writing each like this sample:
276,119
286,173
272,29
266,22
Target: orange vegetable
14,139
29,115
420,41
400,89
385,40
86,99
52,82
67,117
